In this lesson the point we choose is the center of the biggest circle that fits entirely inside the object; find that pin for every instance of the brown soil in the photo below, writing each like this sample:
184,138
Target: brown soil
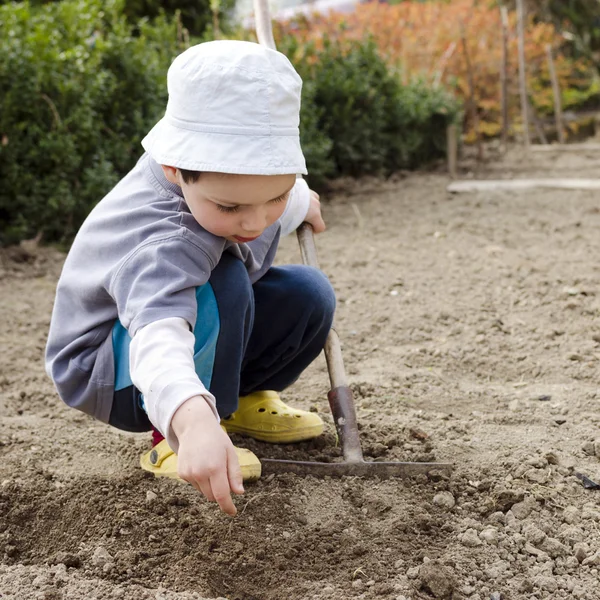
470,327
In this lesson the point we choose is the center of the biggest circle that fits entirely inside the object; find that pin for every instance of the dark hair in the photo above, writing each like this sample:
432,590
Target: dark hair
190,176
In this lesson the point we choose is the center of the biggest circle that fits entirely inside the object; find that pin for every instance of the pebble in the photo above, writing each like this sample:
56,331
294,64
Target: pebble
444,500
571,515
526,586
571,534
470,539
151,496
581,551
533,534
101,556
589,449
571,562
412,573
537,476
497,517
590,513
554,548
593,560
437,579
521,510
490,535
495,596
546,583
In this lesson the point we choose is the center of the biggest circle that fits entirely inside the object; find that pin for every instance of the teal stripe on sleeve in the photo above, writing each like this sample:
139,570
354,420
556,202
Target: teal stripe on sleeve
206,334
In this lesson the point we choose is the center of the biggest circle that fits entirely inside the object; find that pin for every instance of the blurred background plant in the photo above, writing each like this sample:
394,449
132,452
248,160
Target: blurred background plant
424,40
82,81
78,90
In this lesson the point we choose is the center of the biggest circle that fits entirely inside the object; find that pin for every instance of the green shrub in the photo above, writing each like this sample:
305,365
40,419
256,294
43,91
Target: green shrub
376,124
80,86
196,15
78,92
316,144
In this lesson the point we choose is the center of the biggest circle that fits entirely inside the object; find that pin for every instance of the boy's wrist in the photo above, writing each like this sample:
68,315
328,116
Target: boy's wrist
193,410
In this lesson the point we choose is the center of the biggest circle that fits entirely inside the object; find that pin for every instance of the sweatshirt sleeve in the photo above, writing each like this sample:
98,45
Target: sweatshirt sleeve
297,207
158,281
161,358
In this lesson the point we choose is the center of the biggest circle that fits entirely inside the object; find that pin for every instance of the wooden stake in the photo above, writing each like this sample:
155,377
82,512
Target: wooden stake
504,76
472,99
522,76
452,150
537,124
557,96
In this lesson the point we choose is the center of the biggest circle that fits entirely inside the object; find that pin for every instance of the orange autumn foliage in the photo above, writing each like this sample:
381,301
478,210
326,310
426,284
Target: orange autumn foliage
424,40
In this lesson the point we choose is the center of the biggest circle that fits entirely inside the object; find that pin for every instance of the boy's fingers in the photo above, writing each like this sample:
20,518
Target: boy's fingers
234,472
206,489
219,483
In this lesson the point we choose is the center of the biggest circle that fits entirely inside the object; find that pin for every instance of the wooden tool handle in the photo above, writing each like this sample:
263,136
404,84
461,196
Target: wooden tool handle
340,396
333,348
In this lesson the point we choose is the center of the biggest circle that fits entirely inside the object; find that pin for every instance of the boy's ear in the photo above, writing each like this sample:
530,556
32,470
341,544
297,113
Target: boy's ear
171,174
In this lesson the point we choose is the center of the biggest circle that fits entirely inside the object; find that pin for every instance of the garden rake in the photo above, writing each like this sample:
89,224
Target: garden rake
340,396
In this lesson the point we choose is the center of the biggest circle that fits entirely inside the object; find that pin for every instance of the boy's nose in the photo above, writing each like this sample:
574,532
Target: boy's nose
255,221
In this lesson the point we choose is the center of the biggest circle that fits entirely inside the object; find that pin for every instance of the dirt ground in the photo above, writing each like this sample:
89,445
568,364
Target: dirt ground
471,333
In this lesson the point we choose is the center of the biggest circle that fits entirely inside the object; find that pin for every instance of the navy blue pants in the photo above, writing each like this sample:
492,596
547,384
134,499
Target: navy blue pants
248,337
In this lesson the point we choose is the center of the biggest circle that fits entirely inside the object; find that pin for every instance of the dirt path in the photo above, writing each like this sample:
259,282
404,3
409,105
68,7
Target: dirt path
472,319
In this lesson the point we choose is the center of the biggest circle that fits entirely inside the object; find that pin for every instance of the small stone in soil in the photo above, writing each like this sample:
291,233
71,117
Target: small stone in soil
444,500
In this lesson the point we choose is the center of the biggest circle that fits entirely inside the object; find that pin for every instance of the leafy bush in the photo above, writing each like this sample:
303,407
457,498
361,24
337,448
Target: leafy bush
80,86
196,15
78,93
376,124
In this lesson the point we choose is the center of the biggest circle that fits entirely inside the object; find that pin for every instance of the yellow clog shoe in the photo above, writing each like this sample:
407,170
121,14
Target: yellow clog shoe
162,461
263,416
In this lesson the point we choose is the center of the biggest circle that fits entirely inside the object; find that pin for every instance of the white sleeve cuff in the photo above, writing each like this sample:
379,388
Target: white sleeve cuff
297,207
161,359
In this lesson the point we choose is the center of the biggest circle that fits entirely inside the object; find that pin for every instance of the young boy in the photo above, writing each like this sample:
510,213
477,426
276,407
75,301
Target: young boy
169,314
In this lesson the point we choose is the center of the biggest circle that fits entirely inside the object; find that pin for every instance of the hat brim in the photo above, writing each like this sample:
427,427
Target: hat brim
224,152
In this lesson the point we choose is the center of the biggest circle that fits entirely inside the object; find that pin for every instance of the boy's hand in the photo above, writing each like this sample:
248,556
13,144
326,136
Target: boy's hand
313,216
206,456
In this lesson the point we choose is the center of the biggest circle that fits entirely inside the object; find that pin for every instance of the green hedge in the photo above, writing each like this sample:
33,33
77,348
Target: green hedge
77,91
376,124
80,86
196,15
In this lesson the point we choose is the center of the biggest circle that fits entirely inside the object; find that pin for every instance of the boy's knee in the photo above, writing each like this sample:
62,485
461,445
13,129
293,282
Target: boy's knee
312,289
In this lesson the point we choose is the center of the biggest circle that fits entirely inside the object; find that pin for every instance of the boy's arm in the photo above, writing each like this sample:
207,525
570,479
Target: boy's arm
161,358
183,410
302,205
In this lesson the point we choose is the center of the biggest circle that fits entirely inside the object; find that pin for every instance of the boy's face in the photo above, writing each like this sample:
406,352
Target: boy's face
236,207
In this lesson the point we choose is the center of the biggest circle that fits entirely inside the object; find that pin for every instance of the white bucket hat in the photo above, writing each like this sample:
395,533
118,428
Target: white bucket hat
234,107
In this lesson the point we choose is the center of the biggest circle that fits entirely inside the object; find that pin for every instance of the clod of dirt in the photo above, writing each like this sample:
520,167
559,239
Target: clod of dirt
505,499
64,558
101,557
522,510
437,579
